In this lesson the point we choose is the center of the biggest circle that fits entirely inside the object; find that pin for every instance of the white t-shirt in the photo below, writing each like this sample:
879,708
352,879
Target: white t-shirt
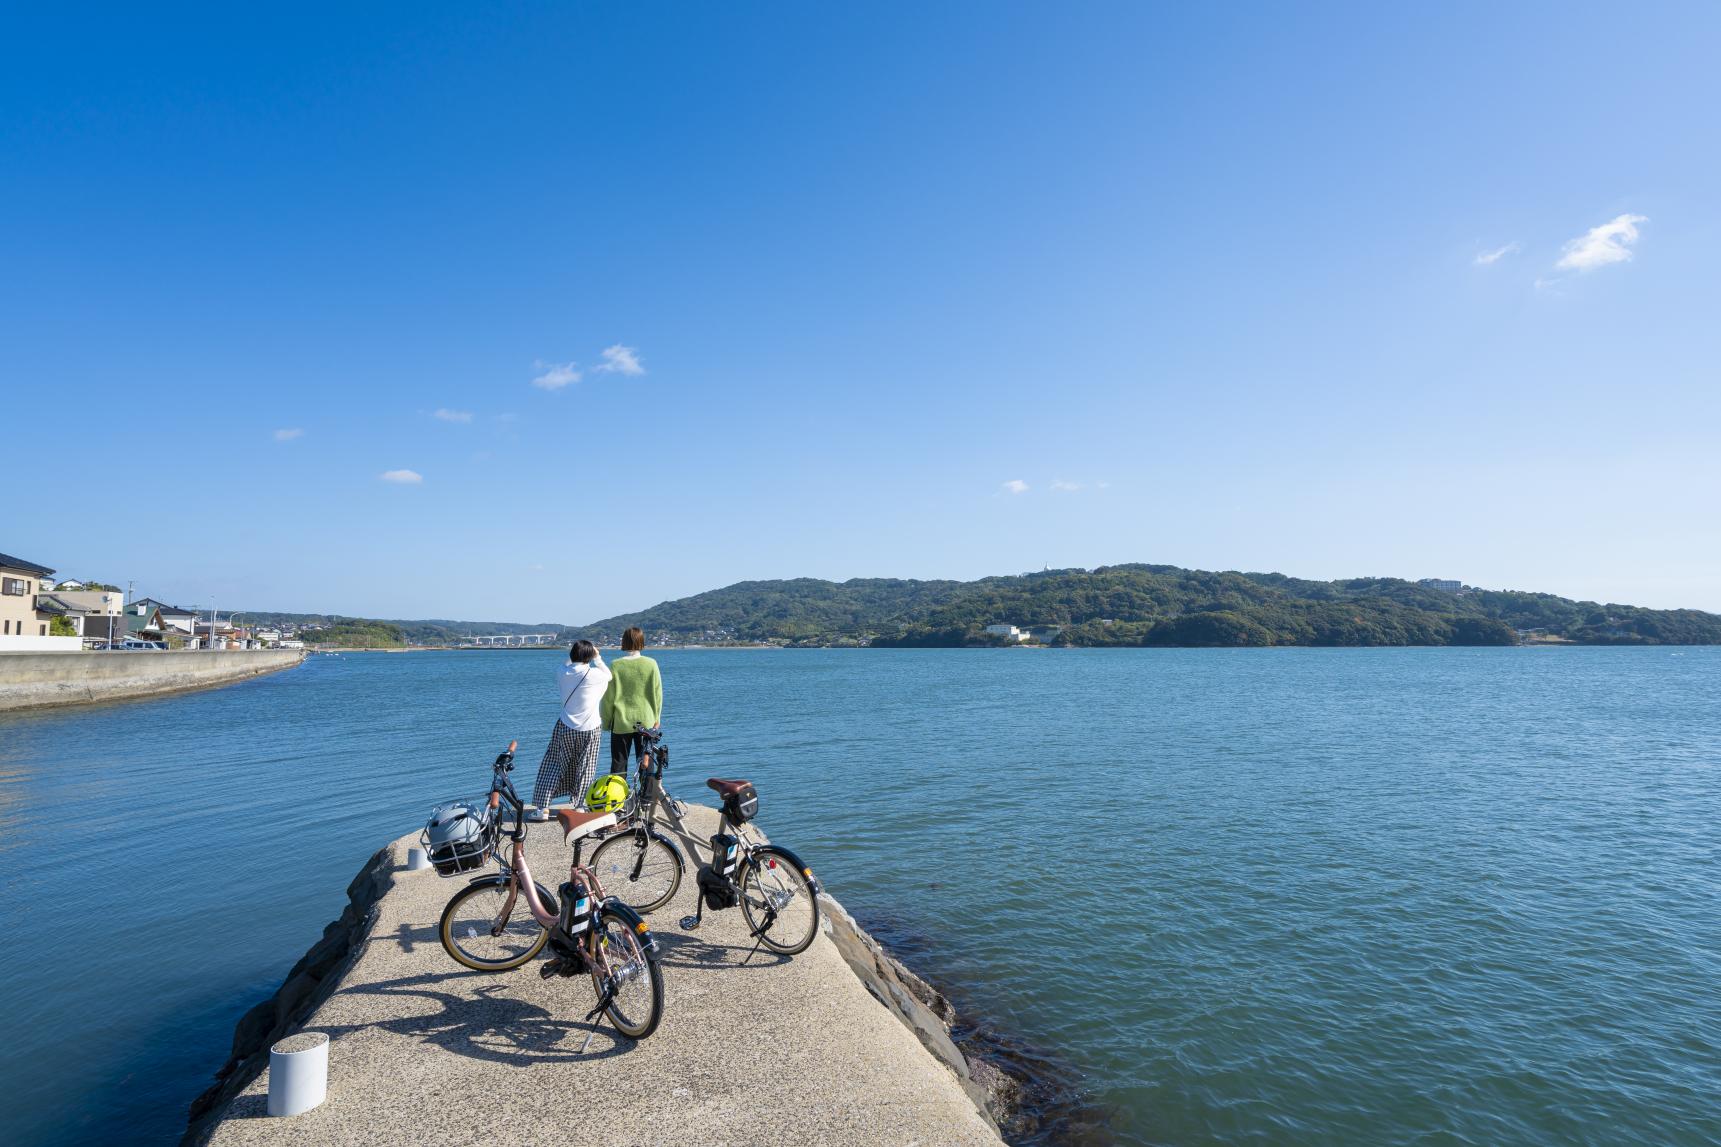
582,692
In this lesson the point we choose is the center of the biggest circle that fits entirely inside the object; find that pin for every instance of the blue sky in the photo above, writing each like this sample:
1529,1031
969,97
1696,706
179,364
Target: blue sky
924,291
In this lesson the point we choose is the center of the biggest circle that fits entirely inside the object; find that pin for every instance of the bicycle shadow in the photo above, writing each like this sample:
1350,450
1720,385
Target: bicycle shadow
680,950
493,1024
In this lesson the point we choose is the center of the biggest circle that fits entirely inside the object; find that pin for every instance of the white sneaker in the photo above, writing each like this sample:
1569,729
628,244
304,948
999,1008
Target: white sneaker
538,815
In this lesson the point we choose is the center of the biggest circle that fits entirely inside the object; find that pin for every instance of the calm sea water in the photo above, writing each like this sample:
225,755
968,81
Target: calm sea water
1273,896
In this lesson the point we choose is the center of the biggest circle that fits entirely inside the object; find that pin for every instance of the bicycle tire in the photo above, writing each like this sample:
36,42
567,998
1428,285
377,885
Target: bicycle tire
610,926
615,859
522,914
787,876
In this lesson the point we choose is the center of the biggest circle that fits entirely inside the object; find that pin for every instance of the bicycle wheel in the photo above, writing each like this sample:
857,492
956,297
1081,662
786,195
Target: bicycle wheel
468,928
638,866
638,1003
773,880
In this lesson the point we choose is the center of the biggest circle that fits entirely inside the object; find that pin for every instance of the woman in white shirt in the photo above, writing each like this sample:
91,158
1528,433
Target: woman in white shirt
572,757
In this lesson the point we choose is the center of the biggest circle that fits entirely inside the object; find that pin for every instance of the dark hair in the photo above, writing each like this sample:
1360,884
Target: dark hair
633,639
582,651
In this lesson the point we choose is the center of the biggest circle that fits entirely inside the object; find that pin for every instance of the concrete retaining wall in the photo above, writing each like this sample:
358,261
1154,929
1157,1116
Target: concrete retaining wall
28,680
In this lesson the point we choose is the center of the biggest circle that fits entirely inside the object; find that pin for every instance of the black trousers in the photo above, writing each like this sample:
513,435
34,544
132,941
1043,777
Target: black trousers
620,743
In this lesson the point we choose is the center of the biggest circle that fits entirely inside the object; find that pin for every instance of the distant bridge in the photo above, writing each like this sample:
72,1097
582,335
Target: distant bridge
494,639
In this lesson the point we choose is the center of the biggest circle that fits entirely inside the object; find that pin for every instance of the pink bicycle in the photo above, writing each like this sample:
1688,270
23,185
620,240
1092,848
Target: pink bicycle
501,921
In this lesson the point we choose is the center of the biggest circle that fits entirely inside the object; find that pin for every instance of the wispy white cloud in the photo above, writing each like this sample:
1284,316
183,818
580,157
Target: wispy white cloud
1015,486
1065,487
288,433
402,477
1489,258
620,359
448,415
556,375
1609,243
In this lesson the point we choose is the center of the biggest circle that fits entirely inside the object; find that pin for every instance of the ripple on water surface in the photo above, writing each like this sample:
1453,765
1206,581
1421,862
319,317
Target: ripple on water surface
1281,896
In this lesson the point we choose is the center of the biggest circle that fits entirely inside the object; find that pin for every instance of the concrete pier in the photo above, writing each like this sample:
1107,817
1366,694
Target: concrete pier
36,680
810,1049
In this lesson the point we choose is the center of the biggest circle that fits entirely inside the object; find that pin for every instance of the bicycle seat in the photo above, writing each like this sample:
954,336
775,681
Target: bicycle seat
726,788
578,822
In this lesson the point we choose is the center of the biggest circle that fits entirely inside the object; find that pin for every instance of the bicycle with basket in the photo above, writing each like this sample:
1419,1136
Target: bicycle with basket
500,921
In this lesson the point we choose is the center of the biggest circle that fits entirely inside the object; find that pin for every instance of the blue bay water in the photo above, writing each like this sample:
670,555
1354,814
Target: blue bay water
1275,896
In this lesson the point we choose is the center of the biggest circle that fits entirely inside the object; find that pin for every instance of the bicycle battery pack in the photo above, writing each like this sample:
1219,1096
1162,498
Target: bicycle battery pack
576,908
725,854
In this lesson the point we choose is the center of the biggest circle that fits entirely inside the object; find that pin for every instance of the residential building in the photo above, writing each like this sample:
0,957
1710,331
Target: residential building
95,614
20,582
144,626
173,618
1009,631
23,627
1441,583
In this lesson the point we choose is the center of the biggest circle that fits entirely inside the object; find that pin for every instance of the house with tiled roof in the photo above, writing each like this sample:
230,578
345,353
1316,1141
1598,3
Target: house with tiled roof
171,617
21,625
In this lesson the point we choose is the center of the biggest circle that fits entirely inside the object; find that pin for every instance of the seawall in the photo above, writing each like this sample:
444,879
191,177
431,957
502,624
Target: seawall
838,1045
33,680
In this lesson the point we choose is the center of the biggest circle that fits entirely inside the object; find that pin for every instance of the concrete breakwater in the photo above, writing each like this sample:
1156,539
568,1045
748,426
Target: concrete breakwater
32,680
754,1047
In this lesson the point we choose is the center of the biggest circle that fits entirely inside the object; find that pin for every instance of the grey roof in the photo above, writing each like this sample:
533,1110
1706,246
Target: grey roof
11,562
164,607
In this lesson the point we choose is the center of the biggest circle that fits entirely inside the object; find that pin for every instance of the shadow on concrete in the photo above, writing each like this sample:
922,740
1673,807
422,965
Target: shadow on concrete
496,1026
679,950
409,936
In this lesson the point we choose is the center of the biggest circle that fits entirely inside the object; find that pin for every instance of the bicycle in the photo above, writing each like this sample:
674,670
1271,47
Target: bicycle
588,930
775,890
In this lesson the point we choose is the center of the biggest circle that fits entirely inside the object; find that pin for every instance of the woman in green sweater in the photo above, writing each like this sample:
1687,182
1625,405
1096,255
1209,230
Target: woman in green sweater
634,696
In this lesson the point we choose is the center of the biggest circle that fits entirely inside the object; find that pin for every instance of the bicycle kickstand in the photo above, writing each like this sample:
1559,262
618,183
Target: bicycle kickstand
605,998
759,933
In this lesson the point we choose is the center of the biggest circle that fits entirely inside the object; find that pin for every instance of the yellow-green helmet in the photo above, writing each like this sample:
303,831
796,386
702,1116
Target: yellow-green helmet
607,793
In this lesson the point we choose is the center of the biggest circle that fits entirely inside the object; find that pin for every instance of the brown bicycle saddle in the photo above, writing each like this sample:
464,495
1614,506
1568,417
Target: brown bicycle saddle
578,822
727,788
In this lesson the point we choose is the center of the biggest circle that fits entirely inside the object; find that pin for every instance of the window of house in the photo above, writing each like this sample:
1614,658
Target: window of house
44,629
14,586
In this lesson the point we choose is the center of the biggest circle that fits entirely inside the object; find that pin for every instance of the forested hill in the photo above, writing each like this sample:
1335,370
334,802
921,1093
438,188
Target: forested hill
1149,605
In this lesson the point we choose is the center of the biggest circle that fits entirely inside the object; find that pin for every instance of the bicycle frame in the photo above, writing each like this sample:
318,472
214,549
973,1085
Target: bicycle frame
654,797
519,873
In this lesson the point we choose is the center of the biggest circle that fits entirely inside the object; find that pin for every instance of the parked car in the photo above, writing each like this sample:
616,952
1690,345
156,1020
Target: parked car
134,644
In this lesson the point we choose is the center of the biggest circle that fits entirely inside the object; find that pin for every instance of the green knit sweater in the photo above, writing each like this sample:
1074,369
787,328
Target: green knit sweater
635,694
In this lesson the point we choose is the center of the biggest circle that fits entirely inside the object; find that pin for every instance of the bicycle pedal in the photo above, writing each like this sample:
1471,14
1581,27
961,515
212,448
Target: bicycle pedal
690,923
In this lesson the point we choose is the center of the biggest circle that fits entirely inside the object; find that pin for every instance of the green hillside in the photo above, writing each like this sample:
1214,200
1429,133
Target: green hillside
1148,605
433,631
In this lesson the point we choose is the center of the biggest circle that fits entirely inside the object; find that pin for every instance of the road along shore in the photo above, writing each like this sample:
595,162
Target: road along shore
838,1045
38,680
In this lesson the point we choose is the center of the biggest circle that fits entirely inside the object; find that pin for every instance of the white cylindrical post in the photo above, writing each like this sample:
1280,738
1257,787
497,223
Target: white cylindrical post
298,1073
416,859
